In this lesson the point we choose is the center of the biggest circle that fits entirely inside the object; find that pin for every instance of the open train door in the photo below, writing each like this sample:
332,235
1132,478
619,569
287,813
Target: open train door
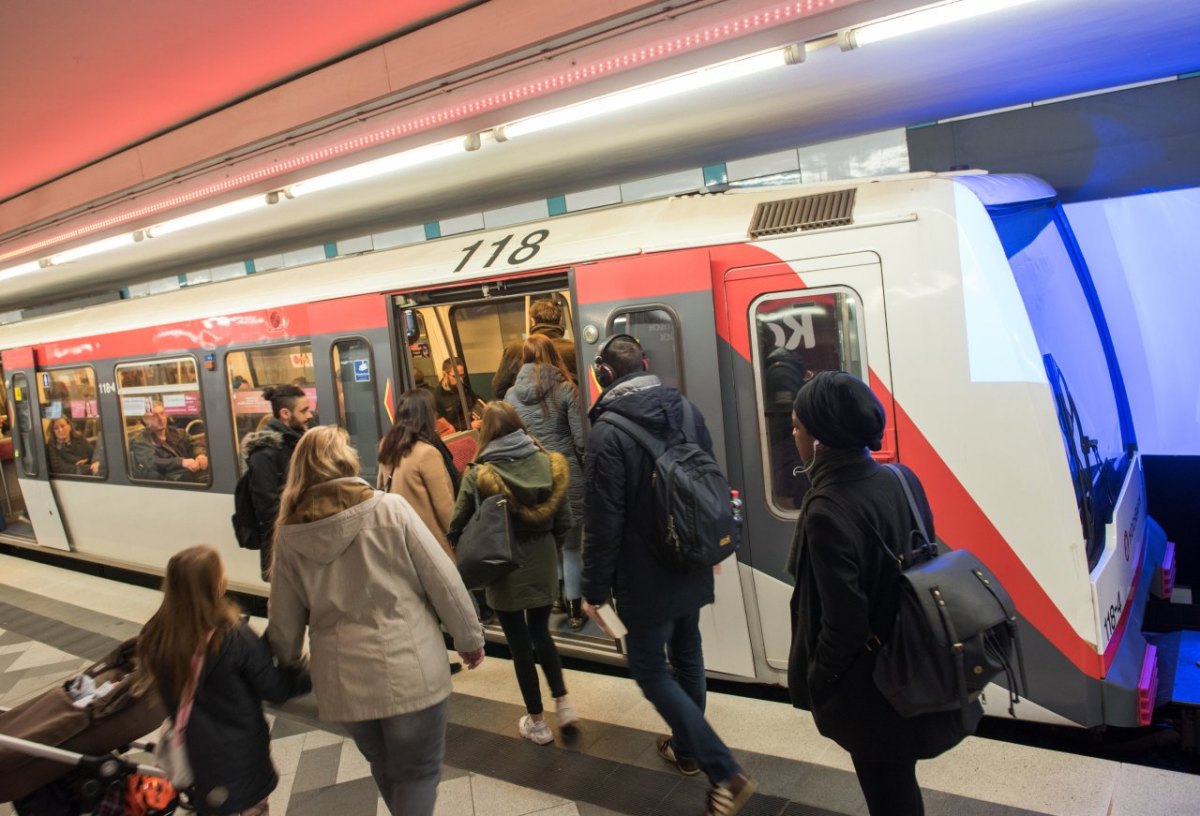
785,322
29,451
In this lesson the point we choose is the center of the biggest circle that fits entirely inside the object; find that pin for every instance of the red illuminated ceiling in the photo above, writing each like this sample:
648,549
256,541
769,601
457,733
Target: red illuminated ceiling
81,79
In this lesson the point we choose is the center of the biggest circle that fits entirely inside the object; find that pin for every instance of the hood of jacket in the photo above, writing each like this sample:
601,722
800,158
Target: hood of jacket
525,386
548,329
644,399
535,485
328,517
273,435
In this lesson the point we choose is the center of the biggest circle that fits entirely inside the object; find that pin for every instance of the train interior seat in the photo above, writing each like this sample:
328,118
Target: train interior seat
462,447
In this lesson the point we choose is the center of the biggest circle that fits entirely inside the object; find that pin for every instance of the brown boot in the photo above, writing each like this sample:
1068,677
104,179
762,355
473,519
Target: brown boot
728,798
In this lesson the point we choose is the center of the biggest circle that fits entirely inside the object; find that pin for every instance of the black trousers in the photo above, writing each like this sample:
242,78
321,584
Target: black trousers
528,633
890,788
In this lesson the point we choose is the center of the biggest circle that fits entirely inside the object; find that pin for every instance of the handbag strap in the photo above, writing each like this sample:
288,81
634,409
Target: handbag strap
188,697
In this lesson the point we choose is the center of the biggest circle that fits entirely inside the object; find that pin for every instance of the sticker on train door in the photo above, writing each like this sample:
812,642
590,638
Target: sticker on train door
362,370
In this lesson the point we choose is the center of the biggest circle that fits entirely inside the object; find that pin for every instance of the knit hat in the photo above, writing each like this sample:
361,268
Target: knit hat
839,410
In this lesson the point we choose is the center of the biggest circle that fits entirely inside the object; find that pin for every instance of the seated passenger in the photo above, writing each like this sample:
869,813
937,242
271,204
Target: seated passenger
165,453
449,403
68,452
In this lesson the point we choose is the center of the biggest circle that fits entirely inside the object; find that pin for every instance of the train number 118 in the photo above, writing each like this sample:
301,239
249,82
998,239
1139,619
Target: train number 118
524,251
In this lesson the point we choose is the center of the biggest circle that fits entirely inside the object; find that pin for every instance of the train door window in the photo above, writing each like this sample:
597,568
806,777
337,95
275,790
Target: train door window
252,371
162,415
658,332
26,437
353,377
71,422
482,331
795,336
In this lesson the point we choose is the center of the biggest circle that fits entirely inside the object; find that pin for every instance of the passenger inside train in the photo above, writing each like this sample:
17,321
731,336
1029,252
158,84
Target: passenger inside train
456,404
165,453
68,452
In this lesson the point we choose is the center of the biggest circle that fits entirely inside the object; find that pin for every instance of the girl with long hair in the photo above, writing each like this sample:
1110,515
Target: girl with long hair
534,482
411,464
547,400
68,451
227,739
363,572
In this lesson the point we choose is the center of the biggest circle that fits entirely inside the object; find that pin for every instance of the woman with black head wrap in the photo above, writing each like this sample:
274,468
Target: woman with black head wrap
847,591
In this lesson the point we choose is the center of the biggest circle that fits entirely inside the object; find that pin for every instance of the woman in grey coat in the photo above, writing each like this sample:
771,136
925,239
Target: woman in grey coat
547,400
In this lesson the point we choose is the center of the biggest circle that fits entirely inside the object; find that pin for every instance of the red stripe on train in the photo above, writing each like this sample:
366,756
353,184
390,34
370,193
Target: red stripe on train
349,315
959,519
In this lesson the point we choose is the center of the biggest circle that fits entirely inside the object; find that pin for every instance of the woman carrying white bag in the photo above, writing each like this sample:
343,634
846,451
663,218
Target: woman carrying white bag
213,672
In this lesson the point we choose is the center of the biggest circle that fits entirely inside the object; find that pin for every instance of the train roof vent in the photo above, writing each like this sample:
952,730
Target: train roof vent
803,213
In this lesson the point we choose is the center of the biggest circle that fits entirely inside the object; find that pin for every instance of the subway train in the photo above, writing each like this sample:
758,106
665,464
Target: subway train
962,299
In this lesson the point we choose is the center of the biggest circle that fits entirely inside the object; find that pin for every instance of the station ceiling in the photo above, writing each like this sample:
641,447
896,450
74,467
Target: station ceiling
111,107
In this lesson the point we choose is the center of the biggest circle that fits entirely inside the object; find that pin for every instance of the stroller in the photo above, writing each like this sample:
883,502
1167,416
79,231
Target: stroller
57,758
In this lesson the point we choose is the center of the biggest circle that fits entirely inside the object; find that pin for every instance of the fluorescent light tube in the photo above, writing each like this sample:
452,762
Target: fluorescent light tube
19,270
930,17
207,216
95,248
644,94
387,164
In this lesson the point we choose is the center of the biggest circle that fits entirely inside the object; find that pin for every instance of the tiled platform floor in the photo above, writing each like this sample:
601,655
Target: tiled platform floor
608,767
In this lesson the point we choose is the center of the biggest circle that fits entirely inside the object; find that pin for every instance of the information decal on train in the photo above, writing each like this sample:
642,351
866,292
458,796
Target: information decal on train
362,370
477,256
1118,568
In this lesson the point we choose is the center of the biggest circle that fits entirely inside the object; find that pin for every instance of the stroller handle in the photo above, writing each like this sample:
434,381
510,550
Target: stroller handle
71,757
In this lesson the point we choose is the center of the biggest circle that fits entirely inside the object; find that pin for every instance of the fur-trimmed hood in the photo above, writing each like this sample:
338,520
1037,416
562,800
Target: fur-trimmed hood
273,435
535,486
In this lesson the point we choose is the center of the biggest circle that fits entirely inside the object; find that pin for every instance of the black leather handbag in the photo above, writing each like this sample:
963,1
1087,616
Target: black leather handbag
955,631
487,548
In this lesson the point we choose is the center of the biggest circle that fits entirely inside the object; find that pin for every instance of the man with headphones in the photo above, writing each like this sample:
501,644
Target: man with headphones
659,607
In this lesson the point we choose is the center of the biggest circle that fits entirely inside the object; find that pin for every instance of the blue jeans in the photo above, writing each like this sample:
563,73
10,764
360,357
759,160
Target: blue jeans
406,754
679,695
572,564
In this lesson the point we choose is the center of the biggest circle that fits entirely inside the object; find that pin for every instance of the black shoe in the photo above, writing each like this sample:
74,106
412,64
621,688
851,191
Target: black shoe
455,668
575,618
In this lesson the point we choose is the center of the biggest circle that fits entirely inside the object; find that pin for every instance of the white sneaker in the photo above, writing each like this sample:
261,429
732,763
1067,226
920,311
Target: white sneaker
535,730
564,712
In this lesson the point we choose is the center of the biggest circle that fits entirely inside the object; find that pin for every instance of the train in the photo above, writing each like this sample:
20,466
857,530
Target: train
962,299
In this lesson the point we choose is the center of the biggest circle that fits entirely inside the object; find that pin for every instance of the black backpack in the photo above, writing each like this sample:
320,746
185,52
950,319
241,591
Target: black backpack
245,523
955,631
697,527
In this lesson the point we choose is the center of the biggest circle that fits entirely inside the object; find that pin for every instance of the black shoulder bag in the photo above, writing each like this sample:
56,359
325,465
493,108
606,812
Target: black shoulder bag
956,628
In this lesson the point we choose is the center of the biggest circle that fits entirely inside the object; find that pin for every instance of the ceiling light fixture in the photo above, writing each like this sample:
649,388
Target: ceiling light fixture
94,248
651,92
930,17
19,270
378,167
196,219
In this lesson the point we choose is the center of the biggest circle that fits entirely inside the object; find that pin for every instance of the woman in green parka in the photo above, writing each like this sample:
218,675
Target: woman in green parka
535,483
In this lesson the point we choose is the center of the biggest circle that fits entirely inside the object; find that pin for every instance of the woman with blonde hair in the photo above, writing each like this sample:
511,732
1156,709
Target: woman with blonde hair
547,400
213,672
535,484
370,581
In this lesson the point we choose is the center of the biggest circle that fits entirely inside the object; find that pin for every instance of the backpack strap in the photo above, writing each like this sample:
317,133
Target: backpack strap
653,445
907,554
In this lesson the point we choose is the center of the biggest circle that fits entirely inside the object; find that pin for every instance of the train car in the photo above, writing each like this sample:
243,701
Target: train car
962,299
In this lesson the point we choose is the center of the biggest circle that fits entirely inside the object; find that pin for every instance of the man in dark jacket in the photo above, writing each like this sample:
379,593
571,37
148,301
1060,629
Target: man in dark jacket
165,453
267,454
546,318
659,607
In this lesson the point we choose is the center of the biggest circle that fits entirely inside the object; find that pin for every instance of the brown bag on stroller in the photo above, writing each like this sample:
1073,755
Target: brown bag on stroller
128,712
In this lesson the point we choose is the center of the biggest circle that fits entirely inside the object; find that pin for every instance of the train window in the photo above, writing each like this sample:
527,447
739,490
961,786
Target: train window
163,418
251,371
795,336
658,332
71,422
353,377
23,406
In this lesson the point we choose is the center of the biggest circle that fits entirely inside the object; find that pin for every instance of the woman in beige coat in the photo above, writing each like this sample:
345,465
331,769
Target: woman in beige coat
410,465
372,584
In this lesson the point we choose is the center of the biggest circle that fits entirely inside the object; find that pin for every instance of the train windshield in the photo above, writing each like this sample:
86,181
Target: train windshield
1077,351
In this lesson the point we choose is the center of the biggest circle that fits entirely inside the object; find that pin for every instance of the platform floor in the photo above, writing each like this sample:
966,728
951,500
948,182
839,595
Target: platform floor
55,621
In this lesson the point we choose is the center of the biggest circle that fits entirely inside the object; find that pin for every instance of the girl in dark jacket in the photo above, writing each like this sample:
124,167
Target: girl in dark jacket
227,740
847,590
535,483
69,452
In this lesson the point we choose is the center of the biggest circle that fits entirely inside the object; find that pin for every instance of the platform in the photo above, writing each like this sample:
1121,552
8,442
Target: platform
54,621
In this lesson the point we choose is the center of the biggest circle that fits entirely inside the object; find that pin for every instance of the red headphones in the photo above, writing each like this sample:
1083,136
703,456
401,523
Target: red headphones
605,376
